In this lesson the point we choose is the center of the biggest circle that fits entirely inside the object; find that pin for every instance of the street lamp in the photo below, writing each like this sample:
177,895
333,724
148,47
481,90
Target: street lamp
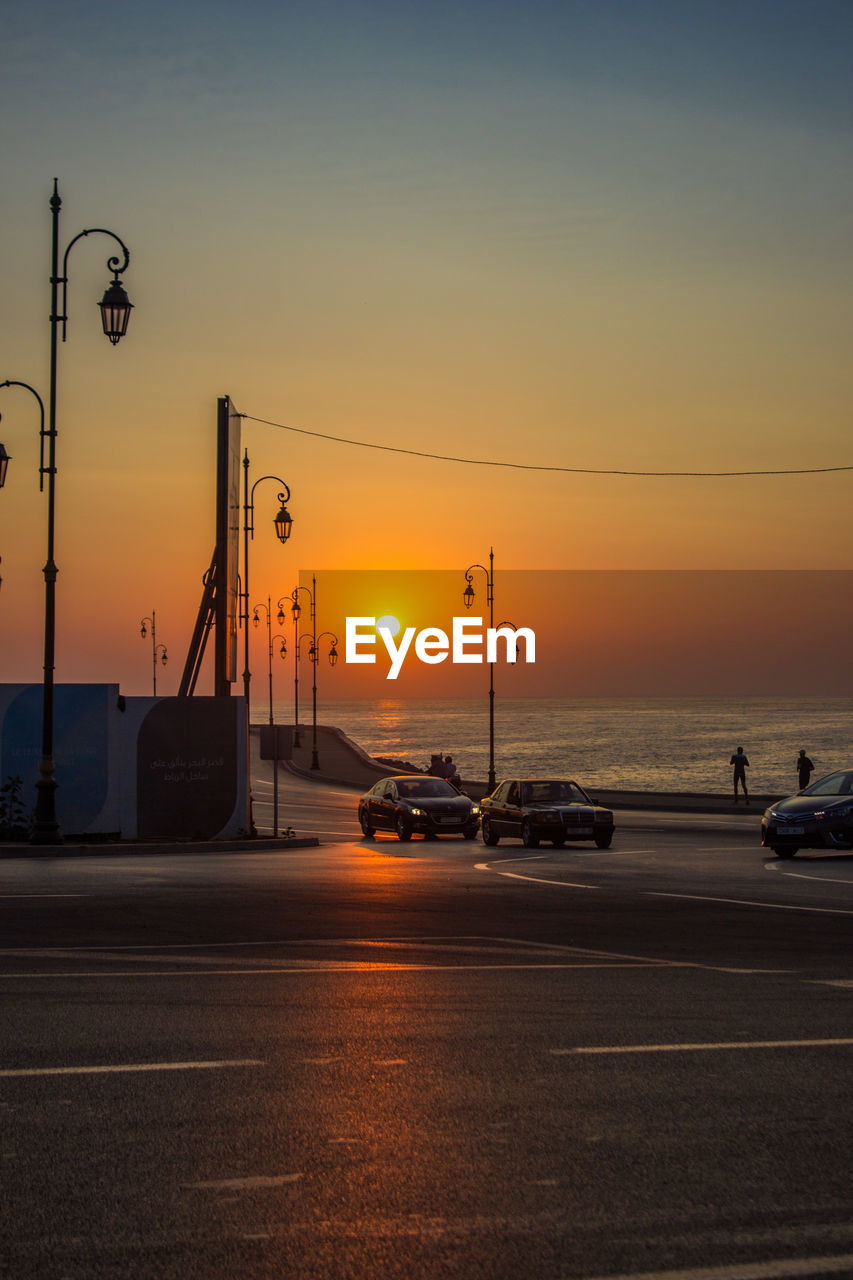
155,647
296,612
115,312
283,525
468,598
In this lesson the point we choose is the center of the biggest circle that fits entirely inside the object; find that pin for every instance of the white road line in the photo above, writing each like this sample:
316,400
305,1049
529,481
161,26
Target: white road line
701,1048
745,902
367,967
137,1066
797,875
775,1269
245,1184
514,875
563,884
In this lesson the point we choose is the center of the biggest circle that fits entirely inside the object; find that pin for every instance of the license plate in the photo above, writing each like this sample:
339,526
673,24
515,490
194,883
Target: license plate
455,821
578,831
790,831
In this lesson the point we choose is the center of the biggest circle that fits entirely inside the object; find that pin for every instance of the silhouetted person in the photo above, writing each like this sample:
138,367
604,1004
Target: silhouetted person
804,770
450,770
741,764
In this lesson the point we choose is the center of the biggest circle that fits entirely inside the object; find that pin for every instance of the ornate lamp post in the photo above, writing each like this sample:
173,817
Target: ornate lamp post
468,598
115,313
283,526
156,649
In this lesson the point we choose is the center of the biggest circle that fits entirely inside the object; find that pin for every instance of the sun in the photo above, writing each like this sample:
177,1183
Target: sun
388,623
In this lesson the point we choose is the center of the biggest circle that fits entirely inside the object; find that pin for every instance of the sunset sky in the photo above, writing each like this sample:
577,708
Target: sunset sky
603,234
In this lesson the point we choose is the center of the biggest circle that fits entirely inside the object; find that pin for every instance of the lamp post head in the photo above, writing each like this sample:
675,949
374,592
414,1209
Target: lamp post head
143,631
282,651
115,311
283,521
4,464
333,656
468,596
296,610
255,618
163,658
280,616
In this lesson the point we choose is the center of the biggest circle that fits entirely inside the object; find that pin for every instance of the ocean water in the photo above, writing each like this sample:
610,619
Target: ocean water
648,744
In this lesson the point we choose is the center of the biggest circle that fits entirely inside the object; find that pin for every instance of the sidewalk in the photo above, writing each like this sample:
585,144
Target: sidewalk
344,763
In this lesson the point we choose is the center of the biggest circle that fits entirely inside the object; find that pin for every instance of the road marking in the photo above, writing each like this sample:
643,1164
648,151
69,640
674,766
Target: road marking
245,1184
389,1062
702,1048
514,875
776,1269
137,1066
844,983
355,966
743,902
44,895
798,875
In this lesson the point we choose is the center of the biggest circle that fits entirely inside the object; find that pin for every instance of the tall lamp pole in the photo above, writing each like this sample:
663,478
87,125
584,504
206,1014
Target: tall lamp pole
468,598
283,526
155,647
115,313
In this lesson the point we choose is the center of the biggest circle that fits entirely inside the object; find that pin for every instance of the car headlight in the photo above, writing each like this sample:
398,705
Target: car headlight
829,814
417,813
475,808
545,815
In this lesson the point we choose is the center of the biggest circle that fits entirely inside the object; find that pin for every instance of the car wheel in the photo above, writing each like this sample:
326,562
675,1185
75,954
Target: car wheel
470,833
528,839
404,831
365,823
603,842
784,851
490,836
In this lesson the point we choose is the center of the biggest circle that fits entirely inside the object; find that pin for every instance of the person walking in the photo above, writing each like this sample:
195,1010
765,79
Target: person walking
741,764
804,770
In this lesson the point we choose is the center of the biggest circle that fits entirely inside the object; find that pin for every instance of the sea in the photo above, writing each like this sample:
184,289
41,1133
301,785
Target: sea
643,744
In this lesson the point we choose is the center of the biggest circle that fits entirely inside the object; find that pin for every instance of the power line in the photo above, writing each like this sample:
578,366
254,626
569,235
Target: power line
532,466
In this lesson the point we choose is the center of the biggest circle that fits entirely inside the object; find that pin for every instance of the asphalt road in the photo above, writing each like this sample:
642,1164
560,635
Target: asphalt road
429,1060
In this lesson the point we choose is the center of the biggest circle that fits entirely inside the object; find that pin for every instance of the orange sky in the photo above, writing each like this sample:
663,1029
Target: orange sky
452,230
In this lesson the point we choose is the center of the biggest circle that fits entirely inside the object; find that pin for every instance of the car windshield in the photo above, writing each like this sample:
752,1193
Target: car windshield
551,792
836,784
419,788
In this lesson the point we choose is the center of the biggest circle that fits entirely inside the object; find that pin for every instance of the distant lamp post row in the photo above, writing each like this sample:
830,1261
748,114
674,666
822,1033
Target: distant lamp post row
157,650
256,621
313,657
115,307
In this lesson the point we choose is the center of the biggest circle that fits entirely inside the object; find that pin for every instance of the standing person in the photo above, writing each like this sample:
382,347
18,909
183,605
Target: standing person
804,769
741,764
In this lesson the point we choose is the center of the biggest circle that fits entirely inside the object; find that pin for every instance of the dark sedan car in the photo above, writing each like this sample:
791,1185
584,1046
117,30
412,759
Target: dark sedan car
409,804
820,817
544,809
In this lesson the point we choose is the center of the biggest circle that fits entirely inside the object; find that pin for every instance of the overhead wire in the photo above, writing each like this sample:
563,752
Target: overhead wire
533,466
